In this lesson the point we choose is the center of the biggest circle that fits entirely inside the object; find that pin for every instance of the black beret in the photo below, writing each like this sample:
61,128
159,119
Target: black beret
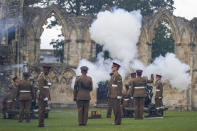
84,68
26,74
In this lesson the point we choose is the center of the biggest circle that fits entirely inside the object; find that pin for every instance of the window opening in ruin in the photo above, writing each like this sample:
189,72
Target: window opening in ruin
102,85
102,92
163,41
52,42
11,34
99,49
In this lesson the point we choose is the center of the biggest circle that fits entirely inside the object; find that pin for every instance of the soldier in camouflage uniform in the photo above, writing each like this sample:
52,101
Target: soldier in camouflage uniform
82,88
43,94
9,101
115,93
128,100
159,94
139,93
25,94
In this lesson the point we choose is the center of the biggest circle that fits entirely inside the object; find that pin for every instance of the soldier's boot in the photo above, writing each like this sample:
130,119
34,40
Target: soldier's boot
131,114
27,117
4,116
20,118
9,116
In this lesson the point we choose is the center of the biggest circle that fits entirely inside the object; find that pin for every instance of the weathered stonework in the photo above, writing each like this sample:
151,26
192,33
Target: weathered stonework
25,46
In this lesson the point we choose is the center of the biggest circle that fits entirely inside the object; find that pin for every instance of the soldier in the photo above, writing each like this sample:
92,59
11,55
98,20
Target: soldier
115,93
83,86
126,103
139,93
43,94
9,101
159,94
25,93
109,106
128,98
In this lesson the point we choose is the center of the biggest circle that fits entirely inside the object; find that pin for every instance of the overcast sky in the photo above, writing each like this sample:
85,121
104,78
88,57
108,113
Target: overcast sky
184,8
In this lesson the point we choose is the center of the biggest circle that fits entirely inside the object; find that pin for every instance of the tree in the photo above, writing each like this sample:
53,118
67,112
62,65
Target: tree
59,49
147,7
84,7
163,41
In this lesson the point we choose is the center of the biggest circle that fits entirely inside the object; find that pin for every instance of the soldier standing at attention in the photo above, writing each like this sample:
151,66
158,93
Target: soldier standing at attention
83,86
25,93
159,93
109,106
9,101
43,94
115,93
139,93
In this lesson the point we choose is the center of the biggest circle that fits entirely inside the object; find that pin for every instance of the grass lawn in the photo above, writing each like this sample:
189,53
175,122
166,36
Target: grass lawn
66,120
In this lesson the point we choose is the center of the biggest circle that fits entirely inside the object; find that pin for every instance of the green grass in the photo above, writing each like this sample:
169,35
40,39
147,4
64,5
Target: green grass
66,120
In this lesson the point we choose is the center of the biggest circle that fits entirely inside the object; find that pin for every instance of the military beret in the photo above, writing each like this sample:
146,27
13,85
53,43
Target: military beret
26,74
15,78
158,75
139,72
133,74
84,68
115,65
47,67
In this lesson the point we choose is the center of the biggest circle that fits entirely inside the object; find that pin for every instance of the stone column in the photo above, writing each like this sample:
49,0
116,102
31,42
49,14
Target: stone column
36,52
190,88
66,51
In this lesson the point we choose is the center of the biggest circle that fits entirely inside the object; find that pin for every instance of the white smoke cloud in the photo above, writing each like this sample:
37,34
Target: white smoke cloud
118,31
171,69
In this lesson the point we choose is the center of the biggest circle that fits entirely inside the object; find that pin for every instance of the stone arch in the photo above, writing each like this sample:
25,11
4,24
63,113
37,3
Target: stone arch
58,15
161,15
67,76
69,72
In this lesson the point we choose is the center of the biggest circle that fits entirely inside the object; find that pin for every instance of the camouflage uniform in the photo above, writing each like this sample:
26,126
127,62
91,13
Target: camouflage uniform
115,94
43,97
25,93
83,86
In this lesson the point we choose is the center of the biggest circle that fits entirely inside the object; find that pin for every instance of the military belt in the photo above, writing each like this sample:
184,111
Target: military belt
24,91
46,87
126,99
9,101
113,85
141,87
157,90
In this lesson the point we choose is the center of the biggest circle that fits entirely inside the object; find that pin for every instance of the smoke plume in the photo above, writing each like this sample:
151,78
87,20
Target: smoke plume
171,69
